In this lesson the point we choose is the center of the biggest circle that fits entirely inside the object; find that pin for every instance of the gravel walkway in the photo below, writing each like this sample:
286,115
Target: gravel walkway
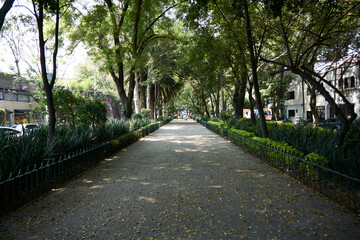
181,182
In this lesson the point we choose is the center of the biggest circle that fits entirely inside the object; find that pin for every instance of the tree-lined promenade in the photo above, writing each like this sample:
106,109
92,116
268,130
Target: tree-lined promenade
181,182
147,60
213,52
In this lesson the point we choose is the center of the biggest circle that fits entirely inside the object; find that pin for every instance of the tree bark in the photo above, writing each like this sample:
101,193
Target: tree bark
4,10
143,78
253,59
251,102
236,101
48,86
204,103
128,106
152,101
313,103
137,101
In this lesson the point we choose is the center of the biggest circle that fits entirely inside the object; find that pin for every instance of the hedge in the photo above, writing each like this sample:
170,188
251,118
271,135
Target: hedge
287,155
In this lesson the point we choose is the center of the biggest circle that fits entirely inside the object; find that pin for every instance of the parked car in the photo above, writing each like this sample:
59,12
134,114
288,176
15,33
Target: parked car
297,120
31,126
330,123
25,127
8,131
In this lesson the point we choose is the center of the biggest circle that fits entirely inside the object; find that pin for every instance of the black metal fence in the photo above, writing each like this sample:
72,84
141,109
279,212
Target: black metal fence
23,186
338,187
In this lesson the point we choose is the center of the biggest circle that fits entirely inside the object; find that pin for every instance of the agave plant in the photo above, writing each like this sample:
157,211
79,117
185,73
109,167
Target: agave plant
19,152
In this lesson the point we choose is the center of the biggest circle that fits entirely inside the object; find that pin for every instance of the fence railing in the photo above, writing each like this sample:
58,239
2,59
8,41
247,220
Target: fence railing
25,185
338,187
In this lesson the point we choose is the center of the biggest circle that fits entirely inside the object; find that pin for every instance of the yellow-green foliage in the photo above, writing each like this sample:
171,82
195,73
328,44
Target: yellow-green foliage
222,125
243,133
2,116
284,147
318,160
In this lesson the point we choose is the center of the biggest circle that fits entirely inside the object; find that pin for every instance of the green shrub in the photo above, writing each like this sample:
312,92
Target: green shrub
318,160
220,124
301,141
226,116
243,133
2,117
161,118
241,123
136,116
145,113
137,123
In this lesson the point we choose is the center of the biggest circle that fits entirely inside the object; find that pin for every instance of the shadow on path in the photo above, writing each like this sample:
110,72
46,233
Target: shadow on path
181,182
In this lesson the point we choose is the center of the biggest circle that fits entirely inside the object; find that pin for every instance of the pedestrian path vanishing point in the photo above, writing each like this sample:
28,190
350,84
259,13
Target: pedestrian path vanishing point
181,182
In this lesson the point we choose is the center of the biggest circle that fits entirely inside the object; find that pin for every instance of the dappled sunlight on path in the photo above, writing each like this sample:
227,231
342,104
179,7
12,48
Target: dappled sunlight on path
181,182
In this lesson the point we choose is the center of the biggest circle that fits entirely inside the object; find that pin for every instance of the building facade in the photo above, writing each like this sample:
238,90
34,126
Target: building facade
345,78
16,98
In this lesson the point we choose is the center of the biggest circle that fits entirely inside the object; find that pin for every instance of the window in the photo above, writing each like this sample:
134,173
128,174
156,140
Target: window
290,95
321,112
291,113
341,82
352,82
23,98
348,82
1,94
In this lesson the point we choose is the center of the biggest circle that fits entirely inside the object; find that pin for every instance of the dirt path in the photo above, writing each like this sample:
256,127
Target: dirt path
181,182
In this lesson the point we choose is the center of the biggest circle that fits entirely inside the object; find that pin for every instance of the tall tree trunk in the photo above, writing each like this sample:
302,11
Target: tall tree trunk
143,78
156,92
119,82
213,103
236,102
251,101
242,93
48,86
276,108
148,96
137,101
130,96
152,100
4,10
165,106
204,103
313,103
253,60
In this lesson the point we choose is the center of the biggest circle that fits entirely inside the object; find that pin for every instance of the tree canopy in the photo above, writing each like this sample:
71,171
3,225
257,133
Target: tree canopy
205,56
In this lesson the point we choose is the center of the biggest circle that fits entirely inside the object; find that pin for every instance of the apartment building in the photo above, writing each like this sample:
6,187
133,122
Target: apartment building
345,78
16,98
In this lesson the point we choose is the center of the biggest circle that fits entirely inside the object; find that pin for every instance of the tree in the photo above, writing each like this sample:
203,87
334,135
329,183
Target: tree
4,10
74,108
44,10
66,104
15,31
115,31
91,111
311,32
275,89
